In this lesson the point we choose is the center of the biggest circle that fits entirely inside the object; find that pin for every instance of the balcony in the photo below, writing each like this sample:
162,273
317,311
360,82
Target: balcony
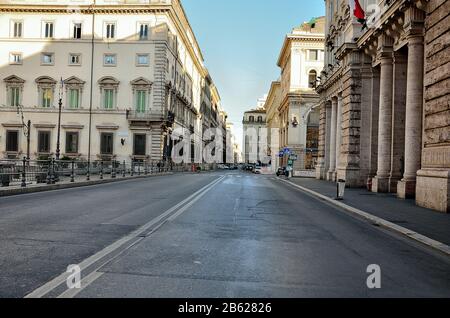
147,116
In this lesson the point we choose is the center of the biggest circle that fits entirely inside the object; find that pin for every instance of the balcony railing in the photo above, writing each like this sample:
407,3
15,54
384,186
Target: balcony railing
152,116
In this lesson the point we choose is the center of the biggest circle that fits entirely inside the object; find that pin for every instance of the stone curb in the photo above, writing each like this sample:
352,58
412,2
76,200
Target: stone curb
424,240
18,191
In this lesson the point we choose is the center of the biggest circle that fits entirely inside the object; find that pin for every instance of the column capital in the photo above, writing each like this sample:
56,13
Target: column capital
414,24
384,49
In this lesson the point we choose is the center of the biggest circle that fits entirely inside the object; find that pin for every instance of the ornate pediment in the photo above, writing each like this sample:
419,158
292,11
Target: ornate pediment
108,81
141,82
13,79
45,80
73,80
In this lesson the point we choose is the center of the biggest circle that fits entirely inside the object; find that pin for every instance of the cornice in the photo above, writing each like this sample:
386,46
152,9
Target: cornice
84,9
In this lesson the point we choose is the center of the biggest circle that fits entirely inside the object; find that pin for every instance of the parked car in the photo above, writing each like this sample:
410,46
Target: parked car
257,170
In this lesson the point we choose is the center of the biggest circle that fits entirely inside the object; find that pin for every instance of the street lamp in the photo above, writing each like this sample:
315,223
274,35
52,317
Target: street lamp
58,151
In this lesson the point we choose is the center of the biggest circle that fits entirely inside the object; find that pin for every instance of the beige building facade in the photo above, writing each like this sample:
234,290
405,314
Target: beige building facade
255,136
271,106
301,60
131,73
384,112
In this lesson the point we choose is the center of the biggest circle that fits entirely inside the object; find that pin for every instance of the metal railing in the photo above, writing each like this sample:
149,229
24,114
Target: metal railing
14,172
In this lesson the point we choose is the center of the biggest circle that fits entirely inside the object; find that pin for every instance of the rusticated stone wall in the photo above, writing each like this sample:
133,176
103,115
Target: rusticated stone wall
433,183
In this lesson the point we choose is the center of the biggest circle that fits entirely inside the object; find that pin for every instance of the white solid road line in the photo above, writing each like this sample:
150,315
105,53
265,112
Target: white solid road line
424,240
61,279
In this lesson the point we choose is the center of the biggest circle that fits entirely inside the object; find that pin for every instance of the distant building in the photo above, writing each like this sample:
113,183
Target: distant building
255,136
301,60
272,105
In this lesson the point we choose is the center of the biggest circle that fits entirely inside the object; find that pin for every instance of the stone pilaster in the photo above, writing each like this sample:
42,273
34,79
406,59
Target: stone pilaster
366,118
374,116
332,170
322,164
338,138
381,181
414,102
350,159
433,180
398,121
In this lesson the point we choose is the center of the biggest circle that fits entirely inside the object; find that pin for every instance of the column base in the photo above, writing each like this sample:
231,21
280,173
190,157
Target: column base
433,189
353,177
331,176
321,172
406,189
393,184
380,185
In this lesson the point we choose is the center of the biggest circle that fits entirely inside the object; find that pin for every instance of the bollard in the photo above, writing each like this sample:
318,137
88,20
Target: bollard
24,183
124,170
101,170
340,190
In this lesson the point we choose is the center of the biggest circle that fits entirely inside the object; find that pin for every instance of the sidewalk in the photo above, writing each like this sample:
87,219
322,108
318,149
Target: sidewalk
405,213
80,181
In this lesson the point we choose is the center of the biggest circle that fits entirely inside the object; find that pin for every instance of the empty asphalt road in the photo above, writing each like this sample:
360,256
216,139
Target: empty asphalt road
233,235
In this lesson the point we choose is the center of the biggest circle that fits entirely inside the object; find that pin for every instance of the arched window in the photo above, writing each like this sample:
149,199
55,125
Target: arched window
312,78
251,119
260,119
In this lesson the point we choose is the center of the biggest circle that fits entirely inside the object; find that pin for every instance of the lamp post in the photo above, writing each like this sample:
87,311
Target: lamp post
58,150
27,129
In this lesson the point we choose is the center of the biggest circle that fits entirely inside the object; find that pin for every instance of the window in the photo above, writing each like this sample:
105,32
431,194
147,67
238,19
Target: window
12,141
108,98
110,30
142,60
313,55
74,59
106,143
109,60
71,142
44,142
14,96
15,58
48,30
48,58
143,32
14,88
46,97
139,146
74,98
17,31
141,100
77,27
312,79
252,119
108,91
260,119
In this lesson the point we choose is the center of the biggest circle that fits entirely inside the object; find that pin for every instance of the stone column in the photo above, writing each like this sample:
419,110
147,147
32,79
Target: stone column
374,116
338,135
327,138
398,121
381,181
413,124
331,172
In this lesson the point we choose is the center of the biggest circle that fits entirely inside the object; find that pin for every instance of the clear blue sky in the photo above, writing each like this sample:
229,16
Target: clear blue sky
241,41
